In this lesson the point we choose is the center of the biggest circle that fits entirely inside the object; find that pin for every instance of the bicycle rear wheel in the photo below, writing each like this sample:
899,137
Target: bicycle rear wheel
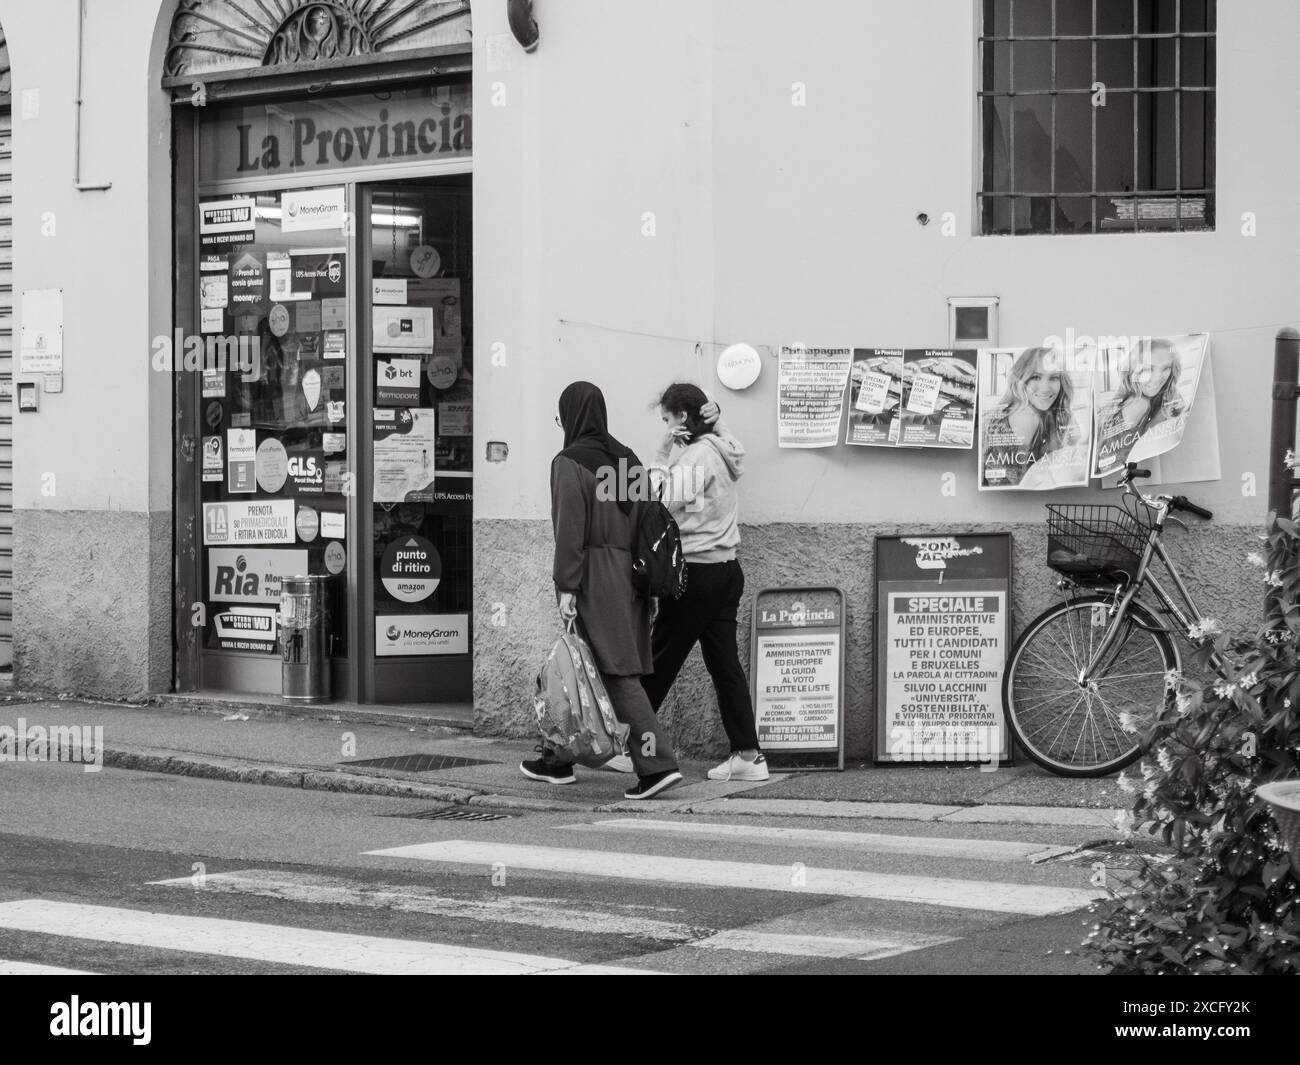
1072,729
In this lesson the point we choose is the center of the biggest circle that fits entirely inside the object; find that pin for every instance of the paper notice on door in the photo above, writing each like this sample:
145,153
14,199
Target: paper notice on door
404,441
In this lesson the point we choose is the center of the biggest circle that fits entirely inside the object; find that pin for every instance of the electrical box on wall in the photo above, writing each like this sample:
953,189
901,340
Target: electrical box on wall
972,322
29,397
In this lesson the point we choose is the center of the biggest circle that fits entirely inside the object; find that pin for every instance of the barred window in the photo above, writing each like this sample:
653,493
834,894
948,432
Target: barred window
1097,116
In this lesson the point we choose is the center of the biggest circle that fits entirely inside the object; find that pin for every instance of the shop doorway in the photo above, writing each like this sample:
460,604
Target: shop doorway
333,411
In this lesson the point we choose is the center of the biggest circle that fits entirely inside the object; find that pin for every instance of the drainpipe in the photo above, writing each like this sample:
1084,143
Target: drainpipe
76,158
522,23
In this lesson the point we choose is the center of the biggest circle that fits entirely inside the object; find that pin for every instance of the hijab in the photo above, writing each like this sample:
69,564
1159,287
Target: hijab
586,433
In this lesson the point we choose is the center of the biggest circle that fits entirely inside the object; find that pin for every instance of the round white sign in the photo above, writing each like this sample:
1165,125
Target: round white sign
739,366
272,465
425,260
279,319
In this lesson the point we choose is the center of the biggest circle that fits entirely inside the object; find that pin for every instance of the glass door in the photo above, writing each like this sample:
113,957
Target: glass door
276,493
416,389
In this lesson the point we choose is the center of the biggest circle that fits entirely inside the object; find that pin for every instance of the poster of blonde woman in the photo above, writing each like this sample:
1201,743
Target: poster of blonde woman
1143,394
1035,418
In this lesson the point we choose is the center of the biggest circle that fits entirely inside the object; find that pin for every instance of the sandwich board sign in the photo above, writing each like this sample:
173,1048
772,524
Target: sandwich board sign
797,676
942,633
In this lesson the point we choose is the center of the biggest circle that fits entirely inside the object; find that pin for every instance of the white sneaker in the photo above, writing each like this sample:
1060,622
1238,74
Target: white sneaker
620,763
738,768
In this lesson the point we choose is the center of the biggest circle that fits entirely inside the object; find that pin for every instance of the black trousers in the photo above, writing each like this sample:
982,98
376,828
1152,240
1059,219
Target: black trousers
706,614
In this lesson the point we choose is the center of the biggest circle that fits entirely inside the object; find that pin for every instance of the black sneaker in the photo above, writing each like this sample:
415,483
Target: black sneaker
548,769
648,787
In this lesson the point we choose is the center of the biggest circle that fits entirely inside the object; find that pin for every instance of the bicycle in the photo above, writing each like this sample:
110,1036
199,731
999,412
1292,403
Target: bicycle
1089,673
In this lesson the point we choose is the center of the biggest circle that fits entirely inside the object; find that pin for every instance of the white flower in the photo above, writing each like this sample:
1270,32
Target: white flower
1288,460
1204,628
1166,762
1247,680
1127,784
1273,578
1127,721
1182,702
1256,559
1223,689
1172,679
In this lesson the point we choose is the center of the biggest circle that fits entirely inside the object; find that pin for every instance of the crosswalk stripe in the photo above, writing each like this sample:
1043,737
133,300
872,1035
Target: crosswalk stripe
794,944
31,968
1038,900
996,850
278,944
557,913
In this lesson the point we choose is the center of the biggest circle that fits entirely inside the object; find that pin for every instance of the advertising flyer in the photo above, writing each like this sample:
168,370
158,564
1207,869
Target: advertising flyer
304,209
317,274
244,628
410,569
943,690
1143,395
241,460
248,522
421,634
404,443
943,603
247,284
402,330
938,409
876,396
810,395
797,671
397,382
214,467
226,223
306,470
251,575
1035,419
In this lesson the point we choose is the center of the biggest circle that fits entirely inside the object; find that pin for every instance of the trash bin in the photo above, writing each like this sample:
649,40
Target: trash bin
305,676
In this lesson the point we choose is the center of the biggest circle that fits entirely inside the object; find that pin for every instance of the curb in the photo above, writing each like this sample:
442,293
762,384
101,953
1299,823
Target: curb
309,778
342,713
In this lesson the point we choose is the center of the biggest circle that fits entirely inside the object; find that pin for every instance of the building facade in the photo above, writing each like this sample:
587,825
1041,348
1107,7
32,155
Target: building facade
422,198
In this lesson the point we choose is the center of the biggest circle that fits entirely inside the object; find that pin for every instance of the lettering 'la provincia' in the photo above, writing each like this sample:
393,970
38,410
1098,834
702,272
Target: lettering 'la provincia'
444,132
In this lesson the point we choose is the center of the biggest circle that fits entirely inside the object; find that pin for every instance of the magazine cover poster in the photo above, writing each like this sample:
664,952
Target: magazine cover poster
939,399
1143,392
1035,418
876,397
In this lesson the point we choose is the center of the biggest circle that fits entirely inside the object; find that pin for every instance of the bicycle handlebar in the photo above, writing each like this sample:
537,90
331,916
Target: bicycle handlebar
1185,504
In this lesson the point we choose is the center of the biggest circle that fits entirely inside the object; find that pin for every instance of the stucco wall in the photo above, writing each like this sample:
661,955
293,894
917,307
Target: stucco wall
92,469
512,587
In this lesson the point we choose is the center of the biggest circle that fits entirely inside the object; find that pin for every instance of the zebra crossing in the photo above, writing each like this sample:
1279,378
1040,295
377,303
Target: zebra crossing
850,912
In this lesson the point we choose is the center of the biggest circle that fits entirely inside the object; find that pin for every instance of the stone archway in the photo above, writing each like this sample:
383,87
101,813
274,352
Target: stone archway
217,36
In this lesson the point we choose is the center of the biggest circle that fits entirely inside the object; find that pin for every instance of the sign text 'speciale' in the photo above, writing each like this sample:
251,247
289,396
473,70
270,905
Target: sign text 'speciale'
445,131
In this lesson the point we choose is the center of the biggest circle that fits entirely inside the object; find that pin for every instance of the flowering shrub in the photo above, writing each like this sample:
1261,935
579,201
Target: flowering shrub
1228,897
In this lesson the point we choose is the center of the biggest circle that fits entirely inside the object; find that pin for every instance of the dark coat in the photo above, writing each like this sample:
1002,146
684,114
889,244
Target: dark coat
593,559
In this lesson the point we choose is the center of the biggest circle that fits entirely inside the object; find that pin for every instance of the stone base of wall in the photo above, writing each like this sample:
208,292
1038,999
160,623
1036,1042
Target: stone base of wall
92,602
517,620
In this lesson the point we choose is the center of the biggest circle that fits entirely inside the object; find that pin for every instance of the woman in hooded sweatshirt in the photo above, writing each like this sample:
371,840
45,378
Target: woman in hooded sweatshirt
593,582
701,463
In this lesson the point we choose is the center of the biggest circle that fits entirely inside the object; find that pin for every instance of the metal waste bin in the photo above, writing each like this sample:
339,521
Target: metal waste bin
305,676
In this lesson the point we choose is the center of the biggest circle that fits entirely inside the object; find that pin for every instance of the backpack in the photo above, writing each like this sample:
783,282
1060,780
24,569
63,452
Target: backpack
573,709
658,564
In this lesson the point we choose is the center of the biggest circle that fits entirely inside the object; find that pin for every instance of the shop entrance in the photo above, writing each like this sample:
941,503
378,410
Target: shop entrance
332,412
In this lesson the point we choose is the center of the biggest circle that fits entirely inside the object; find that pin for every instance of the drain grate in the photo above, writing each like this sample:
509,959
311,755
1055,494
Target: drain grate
454,813
419,763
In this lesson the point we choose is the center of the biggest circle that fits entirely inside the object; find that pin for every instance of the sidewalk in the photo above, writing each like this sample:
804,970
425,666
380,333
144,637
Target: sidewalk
449,765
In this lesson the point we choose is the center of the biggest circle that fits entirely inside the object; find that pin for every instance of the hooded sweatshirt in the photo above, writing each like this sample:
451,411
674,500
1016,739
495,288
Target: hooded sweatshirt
700,493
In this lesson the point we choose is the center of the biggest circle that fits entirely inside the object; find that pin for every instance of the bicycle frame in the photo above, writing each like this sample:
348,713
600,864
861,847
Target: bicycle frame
1154,550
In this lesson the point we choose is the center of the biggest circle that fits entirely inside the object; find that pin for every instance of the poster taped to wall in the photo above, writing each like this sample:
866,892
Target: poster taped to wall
1143,395
1035,418
810,395
876,397
939,400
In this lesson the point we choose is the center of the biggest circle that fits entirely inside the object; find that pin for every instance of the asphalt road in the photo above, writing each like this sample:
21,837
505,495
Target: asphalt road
279,880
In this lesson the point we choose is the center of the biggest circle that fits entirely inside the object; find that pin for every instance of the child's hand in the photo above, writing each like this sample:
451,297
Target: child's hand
710,412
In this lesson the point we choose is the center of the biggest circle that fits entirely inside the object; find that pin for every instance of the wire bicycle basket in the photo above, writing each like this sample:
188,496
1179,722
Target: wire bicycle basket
1090,540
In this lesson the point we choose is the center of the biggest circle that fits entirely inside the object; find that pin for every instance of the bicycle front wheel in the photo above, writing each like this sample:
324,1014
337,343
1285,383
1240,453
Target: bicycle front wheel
1074,729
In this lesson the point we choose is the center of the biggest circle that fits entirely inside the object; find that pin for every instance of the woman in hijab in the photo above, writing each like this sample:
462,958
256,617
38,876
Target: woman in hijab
593,581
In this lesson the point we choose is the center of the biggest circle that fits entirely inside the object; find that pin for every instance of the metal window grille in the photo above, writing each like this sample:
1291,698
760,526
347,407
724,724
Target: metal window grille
1097,116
